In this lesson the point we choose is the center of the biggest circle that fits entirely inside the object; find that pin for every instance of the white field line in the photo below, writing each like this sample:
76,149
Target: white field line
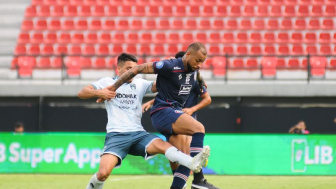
131,178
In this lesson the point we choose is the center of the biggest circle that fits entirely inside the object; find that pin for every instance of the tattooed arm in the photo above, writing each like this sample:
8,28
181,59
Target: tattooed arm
146,68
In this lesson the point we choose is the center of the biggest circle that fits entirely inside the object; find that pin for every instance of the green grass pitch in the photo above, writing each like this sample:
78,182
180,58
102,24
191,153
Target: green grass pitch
52,181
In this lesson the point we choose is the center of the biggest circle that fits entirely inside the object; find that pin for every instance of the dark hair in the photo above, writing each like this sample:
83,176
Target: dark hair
122,58
196,47
180,54
18,124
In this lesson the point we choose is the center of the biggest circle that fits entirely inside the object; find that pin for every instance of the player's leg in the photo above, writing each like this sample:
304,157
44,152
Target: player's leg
181,173
182,143
107,163
116,148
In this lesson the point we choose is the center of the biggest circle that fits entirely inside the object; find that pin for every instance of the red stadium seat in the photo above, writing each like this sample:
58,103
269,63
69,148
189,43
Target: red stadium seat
77,38
218,24
237,64
34,50
81,25
193,11
89,50
317,10
109,25
57,11
44,11
276,11
61,49
70,11
85,62
68,25
314,24
242,50
204,24
311,49
54,25
145,49
252,64
201,37
167,10
99,63
297,50
328,24
160,38
105,50
228,50
41,25
241,38
132,38
324,38
72,64
119,38
272,24
245,24
172,49
95,24
146,38
220,11
98,11
91,38
303,11
269,50
30,12
75,50
132,49
173,38
286,24
318,66
248,11
219,66
158,50
228,38
191,24
136,25
37,38
84,11
125,10
256,50
105,38
25,66
283,50
64,38
310,38
20,50
258,24
153,11
283,38
255,38
23,38
187,38
234,11
207,11
116,50
180,11
330,10
232,24
269,38
278,2
215,38
262,11
164,24
296,38
325,50
268,67
27,25
214,50
289,11
43,62
90,2
37,2
150,24
300,24
122,24
112,11
47,50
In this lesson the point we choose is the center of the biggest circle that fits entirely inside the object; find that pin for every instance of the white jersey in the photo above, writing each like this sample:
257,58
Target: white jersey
124,111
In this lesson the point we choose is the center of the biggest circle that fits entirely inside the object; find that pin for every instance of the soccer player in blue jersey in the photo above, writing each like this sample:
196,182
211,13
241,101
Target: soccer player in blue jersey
174,82
125,134
182,142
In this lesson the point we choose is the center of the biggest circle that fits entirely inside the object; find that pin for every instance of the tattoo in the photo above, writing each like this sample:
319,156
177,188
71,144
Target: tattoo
143,68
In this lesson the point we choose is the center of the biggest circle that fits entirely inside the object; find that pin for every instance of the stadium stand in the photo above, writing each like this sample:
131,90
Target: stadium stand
258,32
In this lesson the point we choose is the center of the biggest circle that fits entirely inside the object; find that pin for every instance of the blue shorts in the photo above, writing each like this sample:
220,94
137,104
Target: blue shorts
134,143
163,119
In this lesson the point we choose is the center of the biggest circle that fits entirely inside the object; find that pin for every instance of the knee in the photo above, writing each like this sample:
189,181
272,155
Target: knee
102,175
199,128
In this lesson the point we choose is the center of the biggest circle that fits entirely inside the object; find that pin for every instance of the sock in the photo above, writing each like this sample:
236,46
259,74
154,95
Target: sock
198,176
180,177
95,183
196,144
196,147
176,156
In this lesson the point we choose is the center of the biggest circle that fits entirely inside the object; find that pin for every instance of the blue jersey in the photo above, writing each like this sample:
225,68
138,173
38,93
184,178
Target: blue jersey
193,97
173,83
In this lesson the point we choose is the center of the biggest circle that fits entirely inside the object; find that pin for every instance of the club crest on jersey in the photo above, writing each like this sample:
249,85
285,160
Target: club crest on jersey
178,111
185,89
133,86
159,64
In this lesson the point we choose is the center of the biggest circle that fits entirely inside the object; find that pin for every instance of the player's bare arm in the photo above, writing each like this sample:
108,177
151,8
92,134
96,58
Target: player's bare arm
90,92
206,100
146,68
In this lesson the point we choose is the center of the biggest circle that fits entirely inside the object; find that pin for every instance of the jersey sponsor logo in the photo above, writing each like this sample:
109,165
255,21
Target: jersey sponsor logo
177,68
178,111
185,89
180,76
159,65
119,95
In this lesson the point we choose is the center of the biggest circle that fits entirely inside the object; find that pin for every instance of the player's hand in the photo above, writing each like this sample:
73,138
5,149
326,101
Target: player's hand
146,107
188,111
106,94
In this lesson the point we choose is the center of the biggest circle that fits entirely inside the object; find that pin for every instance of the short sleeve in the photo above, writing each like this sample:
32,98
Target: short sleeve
148,85
100,84
163,67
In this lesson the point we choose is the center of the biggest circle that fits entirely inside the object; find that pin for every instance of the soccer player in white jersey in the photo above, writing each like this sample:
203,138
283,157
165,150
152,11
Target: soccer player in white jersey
125,134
